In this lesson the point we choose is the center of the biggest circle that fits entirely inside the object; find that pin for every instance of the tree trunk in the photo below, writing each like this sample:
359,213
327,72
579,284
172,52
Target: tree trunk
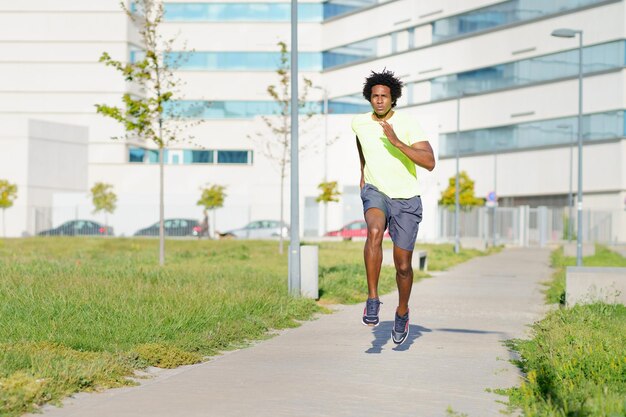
161,210
282,193
214,230
4,227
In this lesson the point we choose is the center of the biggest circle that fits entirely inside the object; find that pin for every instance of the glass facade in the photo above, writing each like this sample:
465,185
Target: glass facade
245,61
354,52
455,26
596,58
201,109
352,104
334,8
553,132
241,12
190,156
501,14
261,12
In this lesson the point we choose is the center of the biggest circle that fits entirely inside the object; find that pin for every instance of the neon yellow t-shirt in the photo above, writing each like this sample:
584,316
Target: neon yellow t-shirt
386,167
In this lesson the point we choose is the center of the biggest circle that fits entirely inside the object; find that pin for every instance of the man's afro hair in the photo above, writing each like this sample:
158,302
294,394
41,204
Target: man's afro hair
386,78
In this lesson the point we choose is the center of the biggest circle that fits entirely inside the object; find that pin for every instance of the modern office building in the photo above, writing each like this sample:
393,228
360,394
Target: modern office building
483,77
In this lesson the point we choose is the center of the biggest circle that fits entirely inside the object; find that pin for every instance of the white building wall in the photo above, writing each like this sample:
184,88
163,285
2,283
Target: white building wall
51,73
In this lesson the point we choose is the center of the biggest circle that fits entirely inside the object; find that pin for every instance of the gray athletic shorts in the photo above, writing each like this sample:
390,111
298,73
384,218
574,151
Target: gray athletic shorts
403,215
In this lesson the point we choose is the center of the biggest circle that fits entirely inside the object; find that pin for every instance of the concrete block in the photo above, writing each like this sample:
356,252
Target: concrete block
309,271
569,249
590,284
621,249
420,259
477,243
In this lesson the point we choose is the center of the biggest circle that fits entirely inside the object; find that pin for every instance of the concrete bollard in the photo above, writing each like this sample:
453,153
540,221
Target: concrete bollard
591,284
570,249
309,271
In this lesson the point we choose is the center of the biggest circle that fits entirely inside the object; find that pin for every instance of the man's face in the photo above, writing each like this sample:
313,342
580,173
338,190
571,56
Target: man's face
381,99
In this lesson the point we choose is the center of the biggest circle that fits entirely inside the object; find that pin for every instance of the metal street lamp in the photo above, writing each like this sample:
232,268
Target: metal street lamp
495,189
457,236
570,33
294,241
570,196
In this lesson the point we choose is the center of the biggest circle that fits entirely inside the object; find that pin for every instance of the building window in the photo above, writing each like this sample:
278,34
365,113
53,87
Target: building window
235,109
455,26
240,12
351,104
153,156
501,14
551,67
243,61
234,157
136,155
191,156
357,51
201,157
541,133
334,8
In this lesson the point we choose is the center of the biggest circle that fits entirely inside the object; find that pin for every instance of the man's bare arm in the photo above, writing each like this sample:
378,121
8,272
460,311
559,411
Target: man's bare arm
421,153
362,159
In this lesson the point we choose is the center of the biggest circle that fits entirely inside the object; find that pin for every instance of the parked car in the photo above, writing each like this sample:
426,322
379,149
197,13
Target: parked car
357,228
79,228
172,227
259,229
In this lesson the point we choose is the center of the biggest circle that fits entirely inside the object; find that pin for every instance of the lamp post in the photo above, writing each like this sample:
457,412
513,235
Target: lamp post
495,189
570,195
571,33
457,236
294,241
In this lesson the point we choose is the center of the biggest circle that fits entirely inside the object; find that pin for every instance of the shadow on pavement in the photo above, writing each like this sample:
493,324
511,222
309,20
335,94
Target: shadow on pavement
469,331
382,335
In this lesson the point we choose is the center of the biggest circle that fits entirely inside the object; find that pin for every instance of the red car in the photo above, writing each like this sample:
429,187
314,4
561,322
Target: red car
357,228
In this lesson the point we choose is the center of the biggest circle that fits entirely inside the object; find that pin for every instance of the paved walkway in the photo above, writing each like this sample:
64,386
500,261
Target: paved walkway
334,366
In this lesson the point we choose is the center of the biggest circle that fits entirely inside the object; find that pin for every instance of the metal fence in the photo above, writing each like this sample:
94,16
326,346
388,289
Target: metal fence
525,226
520,226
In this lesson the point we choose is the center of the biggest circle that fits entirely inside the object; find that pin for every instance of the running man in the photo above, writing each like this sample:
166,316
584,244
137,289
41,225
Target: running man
390,144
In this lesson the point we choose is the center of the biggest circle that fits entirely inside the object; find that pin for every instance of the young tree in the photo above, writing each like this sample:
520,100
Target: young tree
149,117
212,198
277,146
467,199
329,193
104,199
8,194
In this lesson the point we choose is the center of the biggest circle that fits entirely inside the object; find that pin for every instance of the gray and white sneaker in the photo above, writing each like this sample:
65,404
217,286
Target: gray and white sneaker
400,330
370,313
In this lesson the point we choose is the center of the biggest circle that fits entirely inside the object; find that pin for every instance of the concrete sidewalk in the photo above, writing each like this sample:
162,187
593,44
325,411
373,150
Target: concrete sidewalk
335,366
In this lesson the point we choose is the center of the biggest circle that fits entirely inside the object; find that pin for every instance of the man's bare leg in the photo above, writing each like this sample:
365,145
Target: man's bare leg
373,251
404,277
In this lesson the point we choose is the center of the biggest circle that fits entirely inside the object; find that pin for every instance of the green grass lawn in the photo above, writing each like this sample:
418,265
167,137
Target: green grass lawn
575,362
83,314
